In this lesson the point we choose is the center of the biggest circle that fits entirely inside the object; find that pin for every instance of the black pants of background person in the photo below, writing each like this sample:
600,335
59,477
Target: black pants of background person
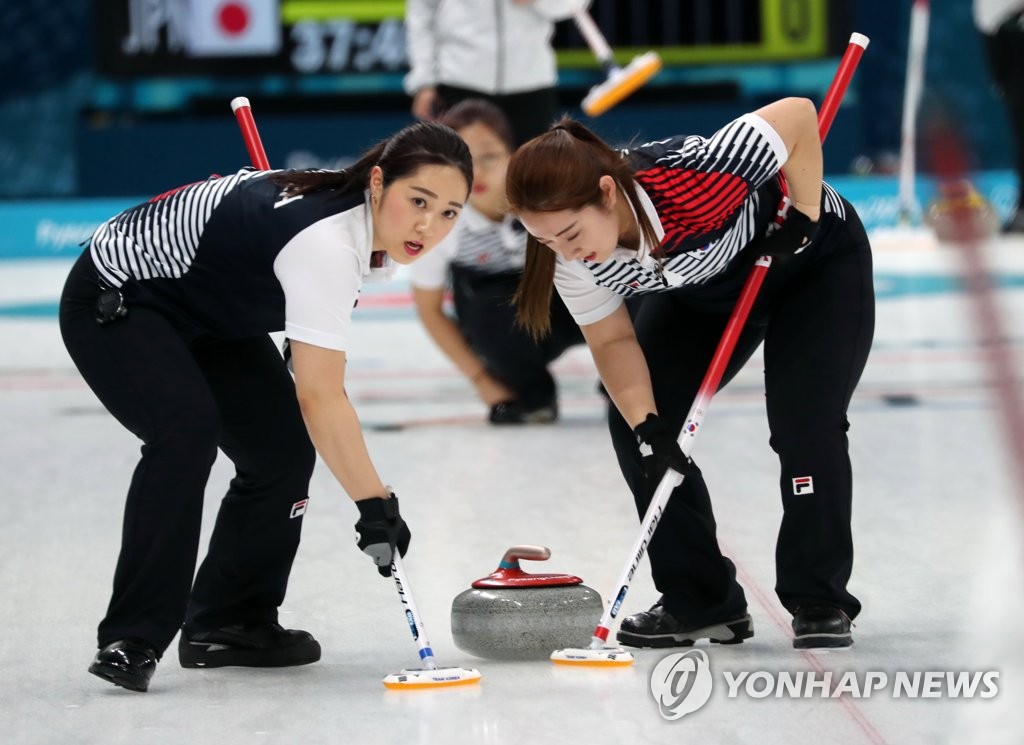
184,398
816,319
530,113
1005,51
486,317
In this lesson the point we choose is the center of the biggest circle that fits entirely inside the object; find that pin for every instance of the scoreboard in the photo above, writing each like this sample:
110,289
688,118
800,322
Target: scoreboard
140,38
244,37
687,32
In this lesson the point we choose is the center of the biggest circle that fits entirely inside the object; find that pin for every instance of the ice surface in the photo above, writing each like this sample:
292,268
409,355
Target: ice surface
936,518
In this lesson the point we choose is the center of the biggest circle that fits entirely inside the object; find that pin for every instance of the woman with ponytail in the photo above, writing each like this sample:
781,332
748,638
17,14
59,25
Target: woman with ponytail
167,316
679,222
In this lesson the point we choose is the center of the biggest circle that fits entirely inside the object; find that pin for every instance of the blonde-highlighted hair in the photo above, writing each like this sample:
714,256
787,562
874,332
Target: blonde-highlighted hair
561,170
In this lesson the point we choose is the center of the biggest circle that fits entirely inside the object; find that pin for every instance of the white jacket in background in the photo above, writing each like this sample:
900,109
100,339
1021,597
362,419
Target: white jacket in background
491,46
989,15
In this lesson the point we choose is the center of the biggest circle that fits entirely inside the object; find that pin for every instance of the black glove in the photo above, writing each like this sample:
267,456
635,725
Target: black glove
796,231
660,450
380,529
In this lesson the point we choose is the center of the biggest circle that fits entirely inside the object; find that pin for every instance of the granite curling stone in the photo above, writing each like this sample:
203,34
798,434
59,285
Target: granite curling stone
514,615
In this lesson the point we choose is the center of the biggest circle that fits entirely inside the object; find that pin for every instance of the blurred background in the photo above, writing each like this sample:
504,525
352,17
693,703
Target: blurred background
126,98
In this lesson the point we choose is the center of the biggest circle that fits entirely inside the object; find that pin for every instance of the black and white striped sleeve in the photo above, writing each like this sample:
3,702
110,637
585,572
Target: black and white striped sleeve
747,148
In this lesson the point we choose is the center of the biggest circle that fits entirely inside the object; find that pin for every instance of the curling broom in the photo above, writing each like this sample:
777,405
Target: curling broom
430,675
619,81
910,210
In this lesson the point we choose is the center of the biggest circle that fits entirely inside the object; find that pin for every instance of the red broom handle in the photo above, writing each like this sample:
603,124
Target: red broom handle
243,113
841,81
826,115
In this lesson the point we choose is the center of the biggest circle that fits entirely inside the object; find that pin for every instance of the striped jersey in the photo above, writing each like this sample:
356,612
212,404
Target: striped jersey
707,199
234,257
476,243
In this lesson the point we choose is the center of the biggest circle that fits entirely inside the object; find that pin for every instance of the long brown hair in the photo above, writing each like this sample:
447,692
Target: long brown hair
560,170
419,144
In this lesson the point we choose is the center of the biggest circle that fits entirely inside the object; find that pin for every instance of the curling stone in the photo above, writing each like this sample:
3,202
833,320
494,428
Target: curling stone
514,615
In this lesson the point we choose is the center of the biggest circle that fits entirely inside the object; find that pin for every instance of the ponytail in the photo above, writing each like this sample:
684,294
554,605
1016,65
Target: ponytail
533,295
419,144
353,178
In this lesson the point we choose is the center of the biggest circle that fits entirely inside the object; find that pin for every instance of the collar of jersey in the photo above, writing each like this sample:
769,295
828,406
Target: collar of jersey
384,273
619,253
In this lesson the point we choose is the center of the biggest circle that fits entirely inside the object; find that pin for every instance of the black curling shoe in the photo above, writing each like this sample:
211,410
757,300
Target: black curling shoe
128,663
512,412
658,628
821,626
250,645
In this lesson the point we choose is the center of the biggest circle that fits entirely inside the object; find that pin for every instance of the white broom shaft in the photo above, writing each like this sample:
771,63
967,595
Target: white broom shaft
593,36
412,614
916,51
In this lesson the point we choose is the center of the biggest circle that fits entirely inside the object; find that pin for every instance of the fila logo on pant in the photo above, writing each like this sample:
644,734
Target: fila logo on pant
299,508
803,485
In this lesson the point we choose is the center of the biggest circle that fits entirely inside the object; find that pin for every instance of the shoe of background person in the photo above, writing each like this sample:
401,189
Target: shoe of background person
657,628
1015,225
512,412
821,626
128,663
250,645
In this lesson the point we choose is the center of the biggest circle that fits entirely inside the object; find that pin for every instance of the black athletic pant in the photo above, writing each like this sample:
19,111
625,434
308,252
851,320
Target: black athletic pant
486,317
1005,52
184,398
816,318
530,113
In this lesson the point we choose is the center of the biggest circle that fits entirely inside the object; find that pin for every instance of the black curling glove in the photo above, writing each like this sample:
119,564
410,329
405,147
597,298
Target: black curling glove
380,530
792,237
660,450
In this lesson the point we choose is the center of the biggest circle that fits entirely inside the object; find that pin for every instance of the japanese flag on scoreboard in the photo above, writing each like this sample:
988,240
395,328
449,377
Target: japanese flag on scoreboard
233,28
